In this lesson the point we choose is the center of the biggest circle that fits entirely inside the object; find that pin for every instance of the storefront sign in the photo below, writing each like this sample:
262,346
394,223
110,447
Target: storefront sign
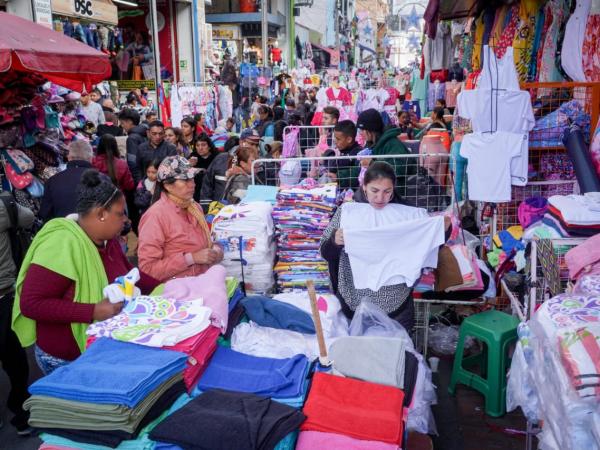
129,85
183,64
94,10
223,32
42,10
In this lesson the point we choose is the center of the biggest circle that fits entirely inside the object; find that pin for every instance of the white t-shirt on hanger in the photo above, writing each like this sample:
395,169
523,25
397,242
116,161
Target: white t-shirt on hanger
489,168
509,111
498,73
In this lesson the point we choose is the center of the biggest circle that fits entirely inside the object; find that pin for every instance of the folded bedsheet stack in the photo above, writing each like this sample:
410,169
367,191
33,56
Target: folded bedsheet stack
574,215
107,395
300,216
246,231
188,317
346,413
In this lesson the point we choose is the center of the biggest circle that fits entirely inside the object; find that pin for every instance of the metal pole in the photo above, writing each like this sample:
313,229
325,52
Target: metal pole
292,36
336,17
156,48
264,29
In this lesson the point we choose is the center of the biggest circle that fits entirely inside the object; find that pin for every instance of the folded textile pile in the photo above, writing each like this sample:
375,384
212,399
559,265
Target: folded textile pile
222,420
328,305
300,216
283,380
267,312
353,408
246,232
574,215
457,270
252,339
109,394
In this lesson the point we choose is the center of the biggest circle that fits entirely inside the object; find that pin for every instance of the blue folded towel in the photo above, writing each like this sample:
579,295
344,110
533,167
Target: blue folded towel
111,371
234,371
267,312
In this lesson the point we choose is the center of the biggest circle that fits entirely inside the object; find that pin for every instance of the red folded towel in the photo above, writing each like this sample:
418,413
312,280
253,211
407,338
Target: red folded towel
354,408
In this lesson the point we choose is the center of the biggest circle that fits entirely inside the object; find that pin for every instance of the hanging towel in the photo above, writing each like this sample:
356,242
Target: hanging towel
79,261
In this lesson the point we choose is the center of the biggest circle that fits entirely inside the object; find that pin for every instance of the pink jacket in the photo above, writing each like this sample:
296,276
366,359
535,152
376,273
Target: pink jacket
168,235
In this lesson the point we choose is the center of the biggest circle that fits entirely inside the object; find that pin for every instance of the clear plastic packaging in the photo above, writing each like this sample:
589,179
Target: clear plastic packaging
444,338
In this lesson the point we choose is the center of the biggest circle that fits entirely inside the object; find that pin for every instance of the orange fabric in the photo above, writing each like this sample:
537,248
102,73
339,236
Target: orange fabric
166,234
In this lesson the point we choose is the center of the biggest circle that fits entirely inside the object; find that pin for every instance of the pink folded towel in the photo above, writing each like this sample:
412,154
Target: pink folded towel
313,440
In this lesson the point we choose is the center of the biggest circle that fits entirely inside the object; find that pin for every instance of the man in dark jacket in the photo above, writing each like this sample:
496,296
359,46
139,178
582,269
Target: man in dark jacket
12,355
60,191
344,135
155,148
129,120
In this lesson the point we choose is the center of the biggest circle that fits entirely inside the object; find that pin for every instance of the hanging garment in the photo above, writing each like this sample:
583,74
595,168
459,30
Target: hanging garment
435,92
498,73
453,88
489,166
438,51
572,47
541,27
418,88
509,111
591,49
378,255
555,15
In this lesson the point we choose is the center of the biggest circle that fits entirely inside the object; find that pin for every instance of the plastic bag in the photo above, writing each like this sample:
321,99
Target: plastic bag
520,389
370,320
444,338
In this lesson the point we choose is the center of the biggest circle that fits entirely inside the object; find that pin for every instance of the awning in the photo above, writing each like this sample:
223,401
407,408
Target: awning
457,9
30,47
333,54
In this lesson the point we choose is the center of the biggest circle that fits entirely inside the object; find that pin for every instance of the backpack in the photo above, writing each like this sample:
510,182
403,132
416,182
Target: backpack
422,191
20,238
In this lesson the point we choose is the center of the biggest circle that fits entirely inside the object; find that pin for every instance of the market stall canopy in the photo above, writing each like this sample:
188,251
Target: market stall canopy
29,47
333,54
456,9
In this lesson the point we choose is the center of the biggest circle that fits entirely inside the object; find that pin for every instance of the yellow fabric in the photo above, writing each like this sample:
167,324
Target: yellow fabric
525,35
478,44
498,25
194,209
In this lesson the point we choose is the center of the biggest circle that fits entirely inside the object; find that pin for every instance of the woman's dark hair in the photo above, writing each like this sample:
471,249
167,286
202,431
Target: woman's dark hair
380,169
154,163
230,143
242,154
95,190
278,113
278,130
160,188
178,134
376,136
108,146
264,109
203,137
438,113
198,117
132,97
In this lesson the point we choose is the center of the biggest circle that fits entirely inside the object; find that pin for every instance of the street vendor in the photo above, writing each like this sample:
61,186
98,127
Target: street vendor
70,261
378,191
174,239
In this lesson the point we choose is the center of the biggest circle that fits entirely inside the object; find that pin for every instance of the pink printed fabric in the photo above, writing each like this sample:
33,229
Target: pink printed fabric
591,49
312,440
509,32
210,286
584,258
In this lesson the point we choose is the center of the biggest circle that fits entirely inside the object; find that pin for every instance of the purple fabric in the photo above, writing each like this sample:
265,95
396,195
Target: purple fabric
532,210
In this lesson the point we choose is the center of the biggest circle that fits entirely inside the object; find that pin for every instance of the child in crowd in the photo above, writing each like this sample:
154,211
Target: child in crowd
145,188
344,134
239,174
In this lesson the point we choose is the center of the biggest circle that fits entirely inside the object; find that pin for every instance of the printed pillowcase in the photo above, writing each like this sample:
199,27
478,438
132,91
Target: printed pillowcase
18,181
19,161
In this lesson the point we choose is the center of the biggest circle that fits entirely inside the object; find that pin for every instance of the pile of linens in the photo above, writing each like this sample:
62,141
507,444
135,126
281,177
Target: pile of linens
187,317
246,232
301,215
112,392
574,215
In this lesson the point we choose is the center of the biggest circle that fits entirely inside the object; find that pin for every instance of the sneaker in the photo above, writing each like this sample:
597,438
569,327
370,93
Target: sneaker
24,432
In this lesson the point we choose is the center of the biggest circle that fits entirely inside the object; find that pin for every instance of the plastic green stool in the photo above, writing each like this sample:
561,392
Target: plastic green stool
497,330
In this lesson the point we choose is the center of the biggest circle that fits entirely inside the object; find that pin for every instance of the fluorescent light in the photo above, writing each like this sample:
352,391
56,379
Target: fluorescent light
124,2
